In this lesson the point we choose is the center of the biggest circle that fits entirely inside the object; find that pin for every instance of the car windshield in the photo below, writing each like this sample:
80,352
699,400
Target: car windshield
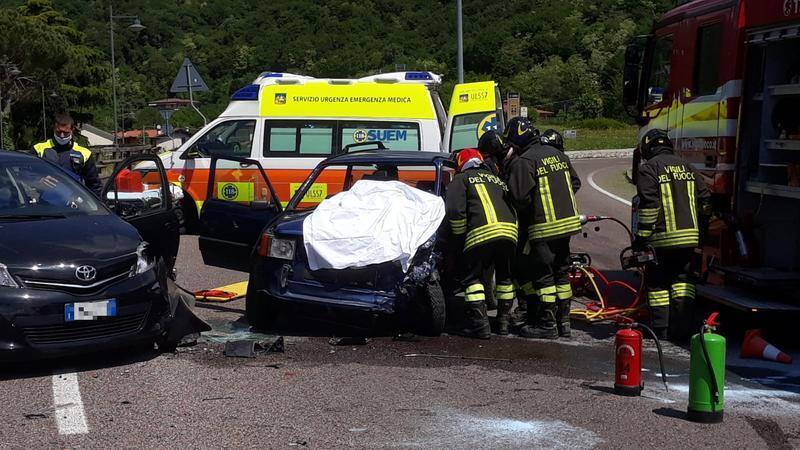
32,189
334,179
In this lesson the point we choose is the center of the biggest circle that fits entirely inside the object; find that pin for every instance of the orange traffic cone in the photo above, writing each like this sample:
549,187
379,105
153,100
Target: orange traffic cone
754,346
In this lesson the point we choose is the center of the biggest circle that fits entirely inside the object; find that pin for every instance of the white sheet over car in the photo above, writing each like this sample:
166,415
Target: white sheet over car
373,222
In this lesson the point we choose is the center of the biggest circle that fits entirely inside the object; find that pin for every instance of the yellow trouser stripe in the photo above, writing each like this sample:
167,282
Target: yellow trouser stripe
477,287
564,291
528,289
486,202
474,293
658,298
505,292
548,298
505,288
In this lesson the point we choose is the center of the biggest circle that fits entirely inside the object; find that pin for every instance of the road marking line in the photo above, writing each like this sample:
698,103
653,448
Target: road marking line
70,417
603,191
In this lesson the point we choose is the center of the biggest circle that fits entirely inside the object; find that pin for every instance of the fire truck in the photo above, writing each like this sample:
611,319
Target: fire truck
723,77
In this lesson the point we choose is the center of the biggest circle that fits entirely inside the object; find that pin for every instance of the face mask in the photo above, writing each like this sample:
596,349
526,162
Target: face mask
63,140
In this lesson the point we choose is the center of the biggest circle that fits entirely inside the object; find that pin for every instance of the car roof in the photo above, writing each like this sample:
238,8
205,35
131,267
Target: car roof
7,155
390,157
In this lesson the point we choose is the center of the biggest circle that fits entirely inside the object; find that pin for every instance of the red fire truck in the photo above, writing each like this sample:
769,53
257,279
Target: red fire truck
723,77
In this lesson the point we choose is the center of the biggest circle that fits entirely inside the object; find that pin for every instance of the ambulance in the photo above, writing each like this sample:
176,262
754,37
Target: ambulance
289,123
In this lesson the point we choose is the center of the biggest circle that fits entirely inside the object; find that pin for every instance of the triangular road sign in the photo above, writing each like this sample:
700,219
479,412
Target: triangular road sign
182,80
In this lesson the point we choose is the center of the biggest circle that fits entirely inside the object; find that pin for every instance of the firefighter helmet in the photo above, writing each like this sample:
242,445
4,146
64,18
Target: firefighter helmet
469,156
552,138
520,132
655,138
491,144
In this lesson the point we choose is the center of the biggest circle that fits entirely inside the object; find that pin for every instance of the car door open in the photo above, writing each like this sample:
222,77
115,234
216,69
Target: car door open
138,191
475,108
240,202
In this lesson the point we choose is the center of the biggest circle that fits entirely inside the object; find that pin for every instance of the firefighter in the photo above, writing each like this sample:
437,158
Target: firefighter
552,138
63,151
486,228
673,202
493,150
542,183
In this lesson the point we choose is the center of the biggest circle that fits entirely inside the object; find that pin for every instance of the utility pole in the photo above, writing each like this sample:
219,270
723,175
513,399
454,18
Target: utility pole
460,32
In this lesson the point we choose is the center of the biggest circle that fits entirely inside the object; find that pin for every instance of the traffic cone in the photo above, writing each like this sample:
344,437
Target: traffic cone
754,346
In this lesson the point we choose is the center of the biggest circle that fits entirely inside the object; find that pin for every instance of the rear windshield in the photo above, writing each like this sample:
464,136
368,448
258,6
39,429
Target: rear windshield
335,179
322,138
32,187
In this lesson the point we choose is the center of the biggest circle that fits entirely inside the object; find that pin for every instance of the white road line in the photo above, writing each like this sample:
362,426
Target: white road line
68,405
597,188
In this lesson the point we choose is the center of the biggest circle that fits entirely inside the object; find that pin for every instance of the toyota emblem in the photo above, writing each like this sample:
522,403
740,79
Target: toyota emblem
85,273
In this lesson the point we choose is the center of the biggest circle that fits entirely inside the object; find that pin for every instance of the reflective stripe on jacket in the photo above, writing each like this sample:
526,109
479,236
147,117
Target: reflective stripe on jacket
543,184
477,208
671,196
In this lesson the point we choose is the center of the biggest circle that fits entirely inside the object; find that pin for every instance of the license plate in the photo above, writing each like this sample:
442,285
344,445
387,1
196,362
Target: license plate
90,310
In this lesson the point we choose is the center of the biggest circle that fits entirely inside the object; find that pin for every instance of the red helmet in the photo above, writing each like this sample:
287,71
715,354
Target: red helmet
467,155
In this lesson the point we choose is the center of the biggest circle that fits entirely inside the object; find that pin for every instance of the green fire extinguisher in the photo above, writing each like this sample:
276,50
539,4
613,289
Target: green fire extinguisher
707,374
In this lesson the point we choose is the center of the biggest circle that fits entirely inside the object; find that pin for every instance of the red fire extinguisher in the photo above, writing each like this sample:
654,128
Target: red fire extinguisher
628,357
628,346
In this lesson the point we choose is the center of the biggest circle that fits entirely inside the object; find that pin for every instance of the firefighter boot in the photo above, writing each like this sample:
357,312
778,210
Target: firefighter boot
504,316
563,319
520,315
476,324
546,327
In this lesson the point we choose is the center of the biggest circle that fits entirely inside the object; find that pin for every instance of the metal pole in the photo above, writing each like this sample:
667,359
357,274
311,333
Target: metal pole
2,118
113,74
460,32
191,97
44,117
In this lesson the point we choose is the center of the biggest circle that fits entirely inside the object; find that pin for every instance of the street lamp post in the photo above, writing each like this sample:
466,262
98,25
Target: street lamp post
460,32
136,27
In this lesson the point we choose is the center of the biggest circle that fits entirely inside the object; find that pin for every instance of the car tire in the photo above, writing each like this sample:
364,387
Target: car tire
434,311
165,346
260,309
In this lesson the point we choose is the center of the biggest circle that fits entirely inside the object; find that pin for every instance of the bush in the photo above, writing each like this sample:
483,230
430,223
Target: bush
600,123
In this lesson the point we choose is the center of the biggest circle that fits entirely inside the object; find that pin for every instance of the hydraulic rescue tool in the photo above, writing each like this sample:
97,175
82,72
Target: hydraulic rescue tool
707,374
628,358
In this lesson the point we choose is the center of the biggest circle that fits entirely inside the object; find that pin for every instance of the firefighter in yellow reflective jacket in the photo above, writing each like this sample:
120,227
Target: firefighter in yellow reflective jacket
480,217
672,205
543,184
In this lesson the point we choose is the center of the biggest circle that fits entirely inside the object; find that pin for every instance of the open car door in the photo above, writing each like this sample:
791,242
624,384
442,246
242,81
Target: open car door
240,203
138,191
475,108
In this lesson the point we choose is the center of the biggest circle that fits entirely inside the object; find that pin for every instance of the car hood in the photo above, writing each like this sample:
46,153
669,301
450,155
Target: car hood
290,223
73,239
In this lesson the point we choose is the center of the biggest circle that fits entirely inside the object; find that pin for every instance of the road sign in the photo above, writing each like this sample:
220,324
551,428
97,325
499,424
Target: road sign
188,77
570,134
523,111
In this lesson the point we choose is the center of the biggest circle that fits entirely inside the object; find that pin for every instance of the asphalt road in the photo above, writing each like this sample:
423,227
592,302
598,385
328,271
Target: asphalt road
525,394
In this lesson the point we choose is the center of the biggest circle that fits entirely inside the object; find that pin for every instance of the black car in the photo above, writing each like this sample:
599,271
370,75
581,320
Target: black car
266,239
75,276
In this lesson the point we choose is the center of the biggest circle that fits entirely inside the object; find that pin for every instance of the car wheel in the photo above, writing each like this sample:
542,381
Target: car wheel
433,315
260,309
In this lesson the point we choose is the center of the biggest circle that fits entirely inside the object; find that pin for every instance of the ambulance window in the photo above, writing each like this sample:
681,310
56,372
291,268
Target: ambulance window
232,138
394,135
297,138
660,70
468,127
706,69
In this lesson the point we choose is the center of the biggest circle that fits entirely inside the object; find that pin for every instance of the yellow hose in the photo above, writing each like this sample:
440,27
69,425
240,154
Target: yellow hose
602,313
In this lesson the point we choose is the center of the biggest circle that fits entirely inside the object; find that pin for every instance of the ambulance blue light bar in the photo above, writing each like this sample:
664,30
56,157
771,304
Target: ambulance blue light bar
418,76
249,92
272,75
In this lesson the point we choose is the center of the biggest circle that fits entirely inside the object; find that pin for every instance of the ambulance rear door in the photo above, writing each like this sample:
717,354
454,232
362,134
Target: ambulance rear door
475,108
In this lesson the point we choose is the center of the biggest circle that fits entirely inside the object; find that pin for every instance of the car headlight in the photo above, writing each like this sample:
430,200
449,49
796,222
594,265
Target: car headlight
143,262
6,280
281,248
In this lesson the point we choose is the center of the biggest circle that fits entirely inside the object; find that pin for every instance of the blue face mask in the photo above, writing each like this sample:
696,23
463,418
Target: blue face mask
63,140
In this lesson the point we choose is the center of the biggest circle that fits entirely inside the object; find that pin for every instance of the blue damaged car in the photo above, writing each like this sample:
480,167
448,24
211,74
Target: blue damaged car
257,234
